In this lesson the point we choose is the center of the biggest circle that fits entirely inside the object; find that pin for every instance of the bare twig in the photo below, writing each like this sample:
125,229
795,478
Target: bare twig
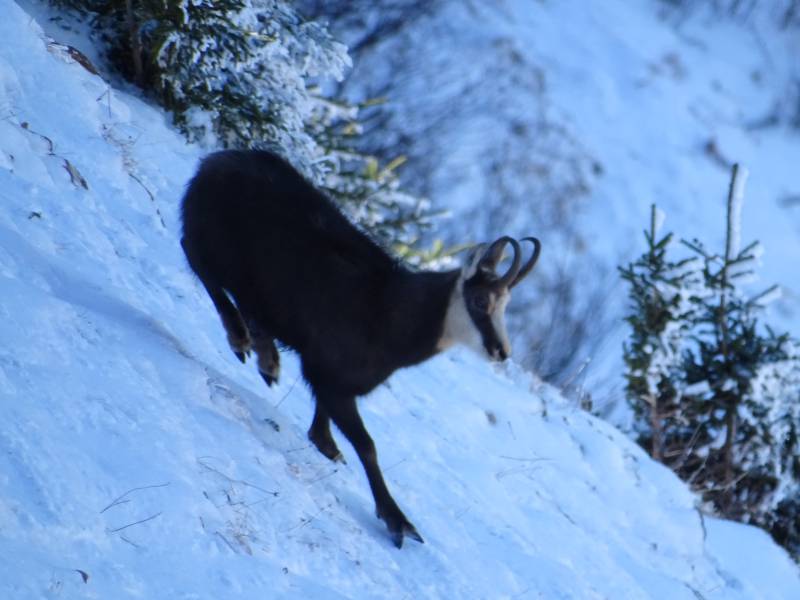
462,512
523,459
306,520
286,395
325,476
75,176
121,499
300,449
511,430
47,140
150,518
231,479
397,464
108,94
126,540
702,522
152,198
224,539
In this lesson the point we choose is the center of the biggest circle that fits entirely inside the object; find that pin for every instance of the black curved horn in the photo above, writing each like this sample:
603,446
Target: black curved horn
537,248
494,254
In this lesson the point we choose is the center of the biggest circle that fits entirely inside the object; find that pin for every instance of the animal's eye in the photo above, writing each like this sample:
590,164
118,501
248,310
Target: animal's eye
480,303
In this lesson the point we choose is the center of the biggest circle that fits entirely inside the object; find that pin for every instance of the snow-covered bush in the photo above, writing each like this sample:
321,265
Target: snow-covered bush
247,73
716,395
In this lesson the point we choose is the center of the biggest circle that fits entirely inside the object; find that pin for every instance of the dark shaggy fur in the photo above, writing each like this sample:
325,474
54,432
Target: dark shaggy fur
280,262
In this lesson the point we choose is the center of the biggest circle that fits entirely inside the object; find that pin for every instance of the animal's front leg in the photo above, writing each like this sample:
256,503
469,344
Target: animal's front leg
343,411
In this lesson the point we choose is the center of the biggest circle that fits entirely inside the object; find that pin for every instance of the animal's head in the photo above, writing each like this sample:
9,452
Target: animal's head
476,316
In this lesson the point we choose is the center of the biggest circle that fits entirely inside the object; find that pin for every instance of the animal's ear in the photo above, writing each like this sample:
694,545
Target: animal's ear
472,261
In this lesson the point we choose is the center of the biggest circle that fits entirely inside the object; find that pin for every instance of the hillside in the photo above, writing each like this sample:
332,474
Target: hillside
139,459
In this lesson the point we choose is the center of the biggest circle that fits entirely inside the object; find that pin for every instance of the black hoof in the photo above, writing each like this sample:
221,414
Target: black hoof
270,369
407,531
269,379
240,355
399,527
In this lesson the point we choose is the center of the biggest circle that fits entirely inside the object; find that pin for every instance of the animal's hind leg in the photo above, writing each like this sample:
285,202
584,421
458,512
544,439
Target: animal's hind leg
238,335
320,434
343,411
269,361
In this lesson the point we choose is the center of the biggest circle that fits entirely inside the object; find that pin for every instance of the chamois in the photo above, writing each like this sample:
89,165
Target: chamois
281,262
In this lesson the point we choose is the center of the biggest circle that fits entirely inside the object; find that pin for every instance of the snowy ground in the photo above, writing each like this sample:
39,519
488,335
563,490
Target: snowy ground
139,459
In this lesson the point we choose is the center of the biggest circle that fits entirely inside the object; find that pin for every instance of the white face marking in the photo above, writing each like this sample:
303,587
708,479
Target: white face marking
499,321
459,328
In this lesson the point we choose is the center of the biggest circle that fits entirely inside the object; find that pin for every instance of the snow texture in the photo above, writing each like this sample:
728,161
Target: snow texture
139,459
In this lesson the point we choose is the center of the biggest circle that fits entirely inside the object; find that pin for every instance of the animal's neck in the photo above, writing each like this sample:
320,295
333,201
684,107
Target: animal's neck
416,319
458,326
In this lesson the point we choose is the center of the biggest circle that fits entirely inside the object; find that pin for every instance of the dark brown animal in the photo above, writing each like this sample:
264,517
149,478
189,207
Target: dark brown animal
280,262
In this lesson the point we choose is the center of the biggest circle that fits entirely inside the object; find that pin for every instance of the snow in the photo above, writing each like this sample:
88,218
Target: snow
734,237
768,296
658,217
139,459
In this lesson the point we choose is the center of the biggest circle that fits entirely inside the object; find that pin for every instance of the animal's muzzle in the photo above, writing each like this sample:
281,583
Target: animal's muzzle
498,351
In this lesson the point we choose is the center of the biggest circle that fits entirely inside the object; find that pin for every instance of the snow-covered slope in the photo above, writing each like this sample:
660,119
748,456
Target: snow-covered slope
139,459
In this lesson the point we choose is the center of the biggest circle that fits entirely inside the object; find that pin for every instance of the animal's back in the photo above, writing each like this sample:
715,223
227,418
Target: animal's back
239,198
276,243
